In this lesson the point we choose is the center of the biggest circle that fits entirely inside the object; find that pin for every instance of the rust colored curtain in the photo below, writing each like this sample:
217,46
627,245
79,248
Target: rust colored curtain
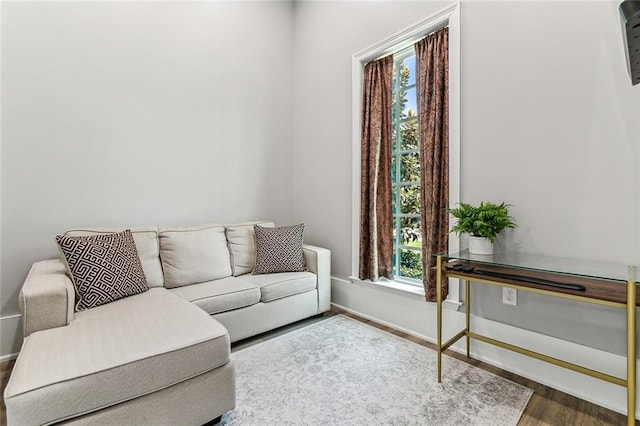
432,82
376,216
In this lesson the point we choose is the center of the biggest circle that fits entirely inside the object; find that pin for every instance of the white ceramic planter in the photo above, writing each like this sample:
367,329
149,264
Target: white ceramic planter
480,245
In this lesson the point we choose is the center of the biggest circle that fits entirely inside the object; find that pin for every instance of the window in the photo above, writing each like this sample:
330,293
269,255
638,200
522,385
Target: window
407,250
407,237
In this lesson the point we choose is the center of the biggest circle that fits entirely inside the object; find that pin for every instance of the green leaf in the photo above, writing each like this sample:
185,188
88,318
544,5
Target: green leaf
486,220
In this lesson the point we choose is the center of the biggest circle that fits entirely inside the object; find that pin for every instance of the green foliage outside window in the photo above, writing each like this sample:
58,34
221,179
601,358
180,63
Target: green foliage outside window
411,264
406,162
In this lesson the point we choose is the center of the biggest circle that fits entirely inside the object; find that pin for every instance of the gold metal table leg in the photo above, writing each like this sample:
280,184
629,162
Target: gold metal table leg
439,314
631,348
467,303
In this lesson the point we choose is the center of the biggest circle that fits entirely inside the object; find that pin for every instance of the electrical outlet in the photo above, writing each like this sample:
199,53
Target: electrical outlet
509,296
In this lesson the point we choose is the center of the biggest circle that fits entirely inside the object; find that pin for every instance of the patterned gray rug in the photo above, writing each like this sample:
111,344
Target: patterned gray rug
340,371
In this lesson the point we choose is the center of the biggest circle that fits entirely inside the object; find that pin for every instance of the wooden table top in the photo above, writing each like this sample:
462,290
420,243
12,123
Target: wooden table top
597,289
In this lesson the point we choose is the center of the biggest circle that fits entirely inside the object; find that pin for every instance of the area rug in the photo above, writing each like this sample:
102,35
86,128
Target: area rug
340,371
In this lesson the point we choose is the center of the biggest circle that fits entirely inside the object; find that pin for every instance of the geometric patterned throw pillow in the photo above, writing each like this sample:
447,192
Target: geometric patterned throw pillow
279,249
103,268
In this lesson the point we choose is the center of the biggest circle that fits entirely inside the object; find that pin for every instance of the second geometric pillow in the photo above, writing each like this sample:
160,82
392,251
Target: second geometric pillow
279,249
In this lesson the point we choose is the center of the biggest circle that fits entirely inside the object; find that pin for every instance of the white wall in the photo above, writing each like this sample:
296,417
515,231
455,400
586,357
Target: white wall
327,34
140,113
549,124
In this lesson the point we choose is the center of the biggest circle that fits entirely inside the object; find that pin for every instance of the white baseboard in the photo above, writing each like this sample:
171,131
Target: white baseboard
362,301
385,323
10,336
8,357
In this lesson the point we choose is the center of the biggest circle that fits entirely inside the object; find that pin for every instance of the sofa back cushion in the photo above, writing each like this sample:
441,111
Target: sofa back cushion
194,254
242,246
146,239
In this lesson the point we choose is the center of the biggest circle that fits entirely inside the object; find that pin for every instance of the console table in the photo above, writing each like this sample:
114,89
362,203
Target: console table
591,282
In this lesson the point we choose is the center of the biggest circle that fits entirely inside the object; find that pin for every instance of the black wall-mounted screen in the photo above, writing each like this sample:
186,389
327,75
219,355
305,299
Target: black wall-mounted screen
630,16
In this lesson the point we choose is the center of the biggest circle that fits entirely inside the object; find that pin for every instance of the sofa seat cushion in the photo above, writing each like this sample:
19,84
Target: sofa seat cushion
111,354
220,295
282,284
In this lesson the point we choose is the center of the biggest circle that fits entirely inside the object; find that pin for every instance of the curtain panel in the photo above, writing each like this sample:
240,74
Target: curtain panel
432,82
376,209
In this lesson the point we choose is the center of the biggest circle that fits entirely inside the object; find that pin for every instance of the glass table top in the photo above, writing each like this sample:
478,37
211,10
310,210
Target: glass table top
601,270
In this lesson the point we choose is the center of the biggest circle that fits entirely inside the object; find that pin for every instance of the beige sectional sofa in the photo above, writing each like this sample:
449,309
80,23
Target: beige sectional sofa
162,356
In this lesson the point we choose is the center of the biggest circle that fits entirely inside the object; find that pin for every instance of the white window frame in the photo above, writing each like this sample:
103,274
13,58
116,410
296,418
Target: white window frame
449,16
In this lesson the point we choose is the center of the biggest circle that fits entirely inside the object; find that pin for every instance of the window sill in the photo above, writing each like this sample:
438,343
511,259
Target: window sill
453,305
396,285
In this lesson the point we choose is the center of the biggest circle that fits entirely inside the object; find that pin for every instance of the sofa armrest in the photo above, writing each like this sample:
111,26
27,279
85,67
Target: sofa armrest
47,297
318,261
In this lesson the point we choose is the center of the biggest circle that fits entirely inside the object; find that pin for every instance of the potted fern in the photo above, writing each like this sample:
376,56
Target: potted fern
483,223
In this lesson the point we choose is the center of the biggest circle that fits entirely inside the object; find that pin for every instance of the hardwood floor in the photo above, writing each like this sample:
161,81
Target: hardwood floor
546,407
5,372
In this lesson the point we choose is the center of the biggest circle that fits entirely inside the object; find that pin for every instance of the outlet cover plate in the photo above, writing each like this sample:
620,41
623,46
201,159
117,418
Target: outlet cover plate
509,296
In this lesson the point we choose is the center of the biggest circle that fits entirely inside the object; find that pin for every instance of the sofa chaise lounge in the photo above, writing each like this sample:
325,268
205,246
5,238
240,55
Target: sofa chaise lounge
161,356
